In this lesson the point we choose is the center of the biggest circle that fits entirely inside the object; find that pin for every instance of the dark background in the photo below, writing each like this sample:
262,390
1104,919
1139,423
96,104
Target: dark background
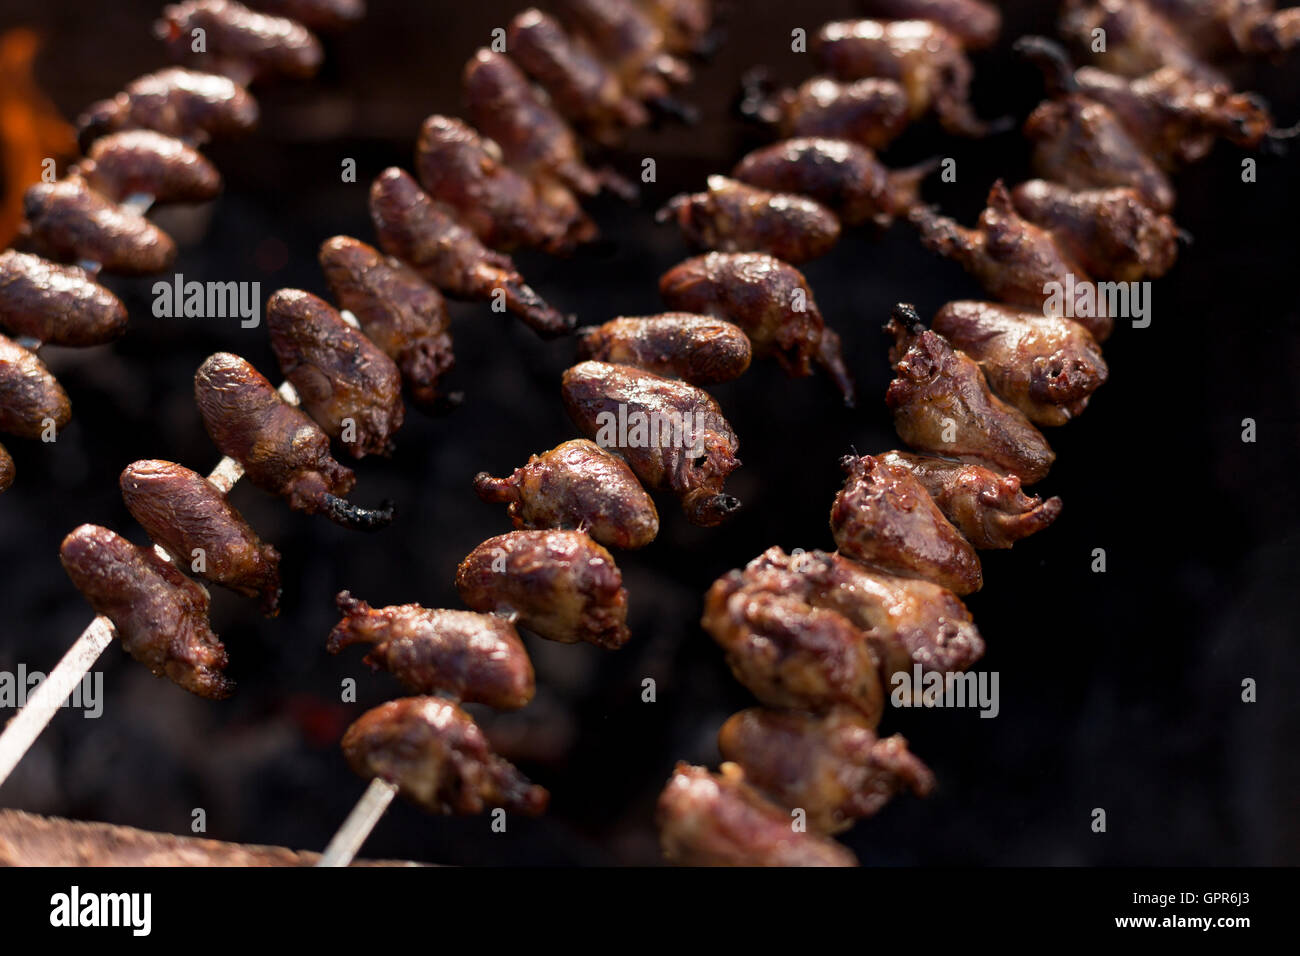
1118,690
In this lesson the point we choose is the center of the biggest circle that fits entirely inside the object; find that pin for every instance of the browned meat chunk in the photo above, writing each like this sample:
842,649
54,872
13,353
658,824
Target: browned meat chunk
1112,233
458,167
1174,117
1011,257
427,237
69,220
30,397
142,161
844,177
161,616
7,472
281,450
698,349
791,654
477,658
906,621
183,103
871,112
770,300
626,37
345,382
55,304
581,87
708,819
976,22
191,520
928,61
535,139
1048,367
883,516
561,585
987,507
398,311
832,767
438,758
942,405
577,485
672,434
237,41
734,217
1138,40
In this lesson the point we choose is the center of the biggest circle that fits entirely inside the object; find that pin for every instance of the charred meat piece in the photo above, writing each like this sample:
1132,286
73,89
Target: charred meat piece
1080,143
56,304
1112,233
328,15
581,87
192,106
987,507
883,516
789,653
1048,367
735,217
281,450
458,167
426,236
6,469
142,161
770,301
343,379
561,585
942,405
844,177
975,22
871,112
438,758
30,397
698,349
1138,40
906,621
576,485
833,767
717,819
535,140
191,520
69,220
1174,117
476,658
398,311
161,616
245,44
672,434
1011,257
927,60
626,37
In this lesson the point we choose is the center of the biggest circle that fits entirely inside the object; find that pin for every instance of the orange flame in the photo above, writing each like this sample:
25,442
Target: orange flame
31,129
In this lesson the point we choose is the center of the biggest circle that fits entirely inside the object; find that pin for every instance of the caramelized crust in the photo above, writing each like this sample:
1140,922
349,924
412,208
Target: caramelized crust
161,616
561,585
698,349
55,304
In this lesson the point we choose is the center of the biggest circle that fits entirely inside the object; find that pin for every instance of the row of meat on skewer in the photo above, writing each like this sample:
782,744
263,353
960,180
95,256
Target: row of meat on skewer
817,636
141,150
